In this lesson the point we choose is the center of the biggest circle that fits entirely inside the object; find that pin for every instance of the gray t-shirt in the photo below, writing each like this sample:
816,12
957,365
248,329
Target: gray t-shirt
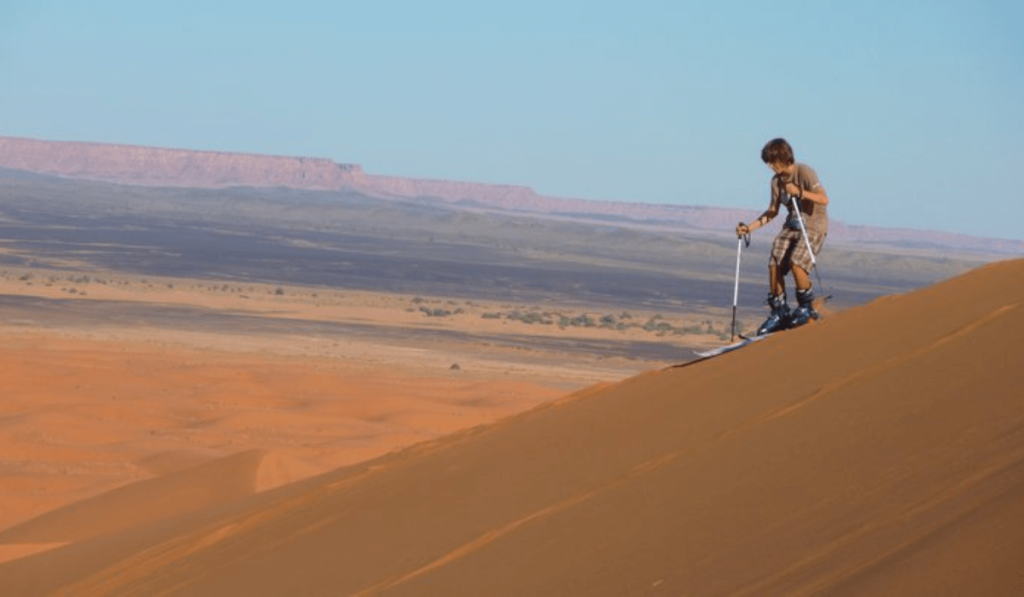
815,215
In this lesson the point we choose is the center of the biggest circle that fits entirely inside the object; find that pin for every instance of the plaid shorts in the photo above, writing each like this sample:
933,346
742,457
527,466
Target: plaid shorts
789,249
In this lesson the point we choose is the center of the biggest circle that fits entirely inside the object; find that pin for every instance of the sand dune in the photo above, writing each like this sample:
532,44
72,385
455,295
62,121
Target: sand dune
878,452
162,497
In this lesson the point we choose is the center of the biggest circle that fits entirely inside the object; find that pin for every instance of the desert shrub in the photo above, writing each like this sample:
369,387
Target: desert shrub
532,318
656,324
583,321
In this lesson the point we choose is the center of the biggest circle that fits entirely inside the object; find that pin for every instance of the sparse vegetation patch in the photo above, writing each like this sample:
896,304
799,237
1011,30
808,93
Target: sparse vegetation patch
656,324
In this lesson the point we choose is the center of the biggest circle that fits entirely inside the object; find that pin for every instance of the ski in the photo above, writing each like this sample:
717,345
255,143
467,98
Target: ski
744,340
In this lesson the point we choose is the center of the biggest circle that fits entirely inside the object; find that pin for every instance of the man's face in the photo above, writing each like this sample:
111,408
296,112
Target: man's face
779,168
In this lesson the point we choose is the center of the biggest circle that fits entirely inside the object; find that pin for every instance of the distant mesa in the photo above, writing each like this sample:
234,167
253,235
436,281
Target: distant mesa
152,166
158,167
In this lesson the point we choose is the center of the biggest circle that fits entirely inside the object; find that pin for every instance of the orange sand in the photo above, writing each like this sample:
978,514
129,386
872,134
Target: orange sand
79,417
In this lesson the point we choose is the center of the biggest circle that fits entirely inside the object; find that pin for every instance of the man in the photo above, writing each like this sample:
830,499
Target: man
797,187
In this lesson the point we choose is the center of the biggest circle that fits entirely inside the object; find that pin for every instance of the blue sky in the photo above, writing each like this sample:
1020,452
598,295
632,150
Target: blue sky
912,112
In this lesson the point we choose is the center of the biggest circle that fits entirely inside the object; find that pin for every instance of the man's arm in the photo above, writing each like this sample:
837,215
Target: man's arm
768,215
818,195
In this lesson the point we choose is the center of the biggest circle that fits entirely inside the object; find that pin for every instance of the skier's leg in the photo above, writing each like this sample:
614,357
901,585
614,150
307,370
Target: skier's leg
804,298
779,316
779,265
776,280
801,278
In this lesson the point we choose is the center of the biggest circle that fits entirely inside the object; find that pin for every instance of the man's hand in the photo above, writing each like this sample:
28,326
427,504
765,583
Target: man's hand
742,230
792,190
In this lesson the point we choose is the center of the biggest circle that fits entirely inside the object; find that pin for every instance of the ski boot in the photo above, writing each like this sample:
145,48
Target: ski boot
779,318
805,311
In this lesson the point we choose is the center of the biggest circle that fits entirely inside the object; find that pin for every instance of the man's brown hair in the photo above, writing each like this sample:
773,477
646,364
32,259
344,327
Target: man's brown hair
777,151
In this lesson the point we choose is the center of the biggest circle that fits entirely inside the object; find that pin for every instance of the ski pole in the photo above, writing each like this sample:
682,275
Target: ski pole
736,287
810,251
